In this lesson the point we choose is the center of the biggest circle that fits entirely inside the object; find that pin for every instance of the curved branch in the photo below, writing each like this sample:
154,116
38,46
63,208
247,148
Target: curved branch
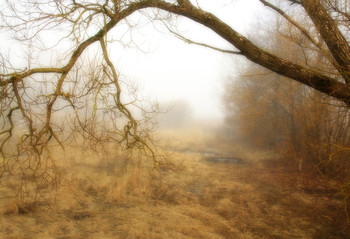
283,67
188,41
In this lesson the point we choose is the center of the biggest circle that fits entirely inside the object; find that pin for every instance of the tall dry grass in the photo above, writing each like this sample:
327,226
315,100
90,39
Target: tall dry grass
108,193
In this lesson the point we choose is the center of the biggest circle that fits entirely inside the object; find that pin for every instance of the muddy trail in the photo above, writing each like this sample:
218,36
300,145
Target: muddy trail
209,196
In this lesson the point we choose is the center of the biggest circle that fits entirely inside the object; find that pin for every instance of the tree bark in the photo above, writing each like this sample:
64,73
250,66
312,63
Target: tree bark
320,82
332,36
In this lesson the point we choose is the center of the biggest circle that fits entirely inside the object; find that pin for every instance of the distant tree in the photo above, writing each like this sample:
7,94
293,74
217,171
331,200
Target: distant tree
310,130
179,114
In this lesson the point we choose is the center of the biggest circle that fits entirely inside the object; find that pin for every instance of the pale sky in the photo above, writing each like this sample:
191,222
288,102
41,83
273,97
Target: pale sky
171,69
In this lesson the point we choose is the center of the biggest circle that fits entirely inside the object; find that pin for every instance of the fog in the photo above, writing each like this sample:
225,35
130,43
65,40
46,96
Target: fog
169,69
139,134
163,67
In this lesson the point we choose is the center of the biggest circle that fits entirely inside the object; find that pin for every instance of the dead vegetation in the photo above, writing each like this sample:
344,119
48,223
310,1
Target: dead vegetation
110,195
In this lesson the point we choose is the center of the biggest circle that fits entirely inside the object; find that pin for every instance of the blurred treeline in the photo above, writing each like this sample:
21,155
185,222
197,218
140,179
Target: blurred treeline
310,130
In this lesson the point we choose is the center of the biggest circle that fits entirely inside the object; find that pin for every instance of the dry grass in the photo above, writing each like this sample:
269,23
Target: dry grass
108,195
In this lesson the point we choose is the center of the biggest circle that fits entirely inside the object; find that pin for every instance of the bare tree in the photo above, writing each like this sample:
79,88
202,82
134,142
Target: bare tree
38,97
309,129
81,98
178,115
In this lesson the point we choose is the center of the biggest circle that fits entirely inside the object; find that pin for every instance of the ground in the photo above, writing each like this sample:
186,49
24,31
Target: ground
206,191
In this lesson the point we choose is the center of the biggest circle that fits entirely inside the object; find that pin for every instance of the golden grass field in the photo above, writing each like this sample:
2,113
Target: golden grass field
111,195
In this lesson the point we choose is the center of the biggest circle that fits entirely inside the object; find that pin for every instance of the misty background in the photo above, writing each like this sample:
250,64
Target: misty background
162,67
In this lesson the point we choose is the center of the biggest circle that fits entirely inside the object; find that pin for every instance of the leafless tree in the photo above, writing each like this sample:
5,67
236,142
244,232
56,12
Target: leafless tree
309,129
37,97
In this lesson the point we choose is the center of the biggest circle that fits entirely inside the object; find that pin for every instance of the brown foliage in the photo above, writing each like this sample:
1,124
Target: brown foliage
310,131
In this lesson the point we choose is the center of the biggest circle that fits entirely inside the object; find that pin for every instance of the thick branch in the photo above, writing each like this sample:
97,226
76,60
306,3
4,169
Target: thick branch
335,42
283,67
80,49
331,34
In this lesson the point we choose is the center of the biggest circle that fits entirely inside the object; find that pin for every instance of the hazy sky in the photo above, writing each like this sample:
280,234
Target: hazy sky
168,69
172,69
